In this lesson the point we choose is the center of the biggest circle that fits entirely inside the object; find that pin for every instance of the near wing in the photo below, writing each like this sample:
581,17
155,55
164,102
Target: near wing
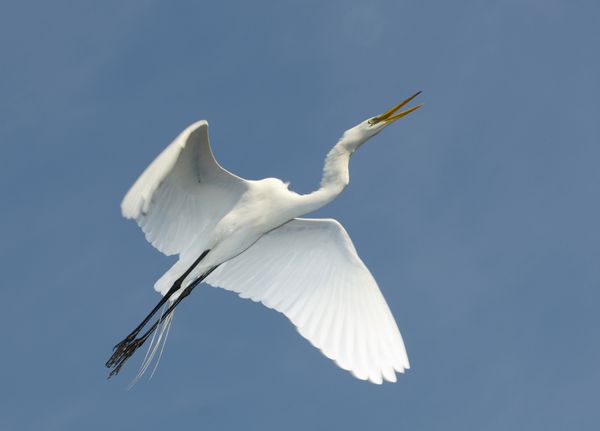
308,269
183,193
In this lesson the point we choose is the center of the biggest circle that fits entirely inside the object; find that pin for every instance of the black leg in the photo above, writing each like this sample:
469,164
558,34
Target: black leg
130,342
130,349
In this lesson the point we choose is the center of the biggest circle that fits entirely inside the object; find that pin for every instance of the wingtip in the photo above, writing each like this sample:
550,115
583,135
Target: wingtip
191,129
199,123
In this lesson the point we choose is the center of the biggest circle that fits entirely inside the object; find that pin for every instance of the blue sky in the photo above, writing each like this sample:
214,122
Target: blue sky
478,215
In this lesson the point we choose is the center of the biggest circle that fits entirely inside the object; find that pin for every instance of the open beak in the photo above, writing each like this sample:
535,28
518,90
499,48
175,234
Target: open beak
389,116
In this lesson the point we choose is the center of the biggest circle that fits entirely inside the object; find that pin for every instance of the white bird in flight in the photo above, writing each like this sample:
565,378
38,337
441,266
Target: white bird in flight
246,236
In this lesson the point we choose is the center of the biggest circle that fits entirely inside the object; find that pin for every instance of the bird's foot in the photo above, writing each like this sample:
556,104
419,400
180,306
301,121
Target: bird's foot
119,349
123,351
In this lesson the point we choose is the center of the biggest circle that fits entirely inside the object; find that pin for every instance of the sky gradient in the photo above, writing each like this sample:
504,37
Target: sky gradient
478,214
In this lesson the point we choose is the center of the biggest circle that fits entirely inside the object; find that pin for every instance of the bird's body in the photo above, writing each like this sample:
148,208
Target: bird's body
263,206
245,236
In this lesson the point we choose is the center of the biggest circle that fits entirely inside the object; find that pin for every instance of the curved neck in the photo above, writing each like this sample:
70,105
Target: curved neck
335,177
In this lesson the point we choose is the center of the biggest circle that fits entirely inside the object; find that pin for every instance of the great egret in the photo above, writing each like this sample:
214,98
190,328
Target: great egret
245,236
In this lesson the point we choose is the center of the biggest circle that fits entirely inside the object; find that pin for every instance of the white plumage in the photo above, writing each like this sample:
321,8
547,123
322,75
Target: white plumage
182,193
308,270
256,245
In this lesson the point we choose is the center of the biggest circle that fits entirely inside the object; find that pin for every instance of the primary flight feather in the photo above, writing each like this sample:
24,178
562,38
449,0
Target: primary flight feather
247,236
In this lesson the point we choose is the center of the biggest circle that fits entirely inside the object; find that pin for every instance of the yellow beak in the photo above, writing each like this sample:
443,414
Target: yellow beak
389,116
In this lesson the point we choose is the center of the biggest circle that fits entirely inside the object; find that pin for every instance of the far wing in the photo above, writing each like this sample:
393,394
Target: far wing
183,193
308,269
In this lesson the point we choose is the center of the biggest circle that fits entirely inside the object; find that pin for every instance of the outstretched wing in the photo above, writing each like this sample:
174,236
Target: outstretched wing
183,193
308,270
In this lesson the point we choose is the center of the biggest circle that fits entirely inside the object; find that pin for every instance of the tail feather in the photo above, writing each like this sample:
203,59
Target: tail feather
163,344
165,282
155,343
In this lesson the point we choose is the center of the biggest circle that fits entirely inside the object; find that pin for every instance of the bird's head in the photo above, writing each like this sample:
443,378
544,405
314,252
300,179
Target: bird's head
364,131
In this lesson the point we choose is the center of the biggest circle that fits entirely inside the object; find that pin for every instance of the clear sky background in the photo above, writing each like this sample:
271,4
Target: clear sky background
478,214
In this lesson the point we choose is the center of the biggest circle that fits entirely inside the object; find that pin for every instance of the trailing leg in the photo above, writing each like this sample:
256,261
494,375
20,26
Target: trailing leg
124,346
120,356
